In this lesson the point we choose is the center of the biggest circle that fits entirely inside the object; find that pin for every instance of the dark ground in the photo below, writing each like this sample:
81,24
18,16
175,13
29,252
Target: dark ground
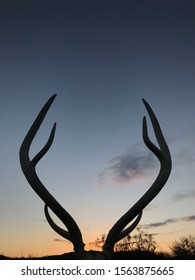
128,255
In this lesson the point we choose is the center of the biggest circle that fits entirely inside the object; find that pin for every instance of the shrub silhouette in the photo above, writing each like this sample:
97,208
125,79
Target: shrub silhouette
184,247
142,241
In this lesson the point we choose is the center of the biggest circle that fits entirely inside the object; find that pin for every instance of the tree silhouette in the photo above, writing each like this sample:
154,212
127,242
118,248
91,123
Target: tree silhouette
142,241
184,247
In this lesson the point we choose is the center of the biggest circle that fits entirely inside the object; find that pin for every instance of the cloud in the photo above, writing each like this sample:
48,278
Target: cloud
189,218
128,166
159,224
59,240
183,196
170,221
150,207
185,157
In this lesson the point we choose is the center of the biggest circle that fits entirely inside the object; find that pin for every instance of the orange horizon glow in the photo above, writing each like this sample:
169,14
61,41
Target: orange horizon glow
58,247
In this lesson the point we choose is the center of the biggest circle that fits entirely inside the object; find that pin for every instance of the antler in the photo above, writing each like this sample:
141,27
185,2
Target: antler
28,167
117,232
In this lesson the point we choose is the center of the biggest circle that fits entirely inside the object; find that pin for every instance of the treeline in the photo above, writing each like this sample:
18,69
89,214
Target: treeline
140,246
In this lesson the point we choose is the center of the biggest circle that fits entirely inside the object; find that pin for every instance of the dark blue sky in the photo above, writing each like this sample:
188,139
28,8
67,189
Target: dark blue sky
101,57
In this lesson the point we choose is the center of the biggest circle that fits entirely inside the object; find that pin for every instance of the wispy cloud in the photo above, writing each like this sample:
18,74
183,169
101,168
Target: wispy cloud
128,166
150,207
59,240
189,218
185,157
159,224
183,196
170,221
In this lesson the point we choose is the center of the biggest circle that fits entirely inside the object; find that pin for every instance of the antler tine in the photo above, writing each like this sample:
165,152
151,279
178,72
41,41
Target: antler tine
56,228
164,150
28,167
126,231
163,154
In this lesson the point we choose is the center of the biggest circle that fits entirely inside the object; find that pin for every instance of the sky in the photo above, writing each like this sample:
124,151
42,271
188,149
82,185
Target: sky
101,58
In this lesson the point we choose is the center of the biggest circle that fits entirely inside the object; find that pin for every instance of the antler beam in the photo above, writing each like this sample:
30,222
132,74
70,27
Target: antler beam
28,168
164,156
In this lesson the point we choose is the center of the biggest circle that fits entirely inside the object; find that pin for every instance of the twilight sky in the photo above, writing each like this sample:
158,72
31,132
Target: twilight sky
101,57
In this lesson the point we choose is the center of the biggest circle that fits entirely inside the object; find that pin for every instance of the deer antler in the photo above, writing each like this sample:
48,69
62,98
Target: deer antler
118,231
163,154
28,167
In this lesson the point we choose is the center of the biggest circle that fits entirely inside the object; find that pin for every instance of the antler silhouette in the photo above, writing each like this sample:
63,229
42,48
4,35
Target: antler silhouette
73,233
117,232
28,167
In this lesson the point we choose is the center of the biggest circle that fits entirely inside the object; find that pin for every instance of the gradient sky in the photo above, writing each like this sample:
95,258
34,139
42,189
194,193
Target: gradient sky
101,58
